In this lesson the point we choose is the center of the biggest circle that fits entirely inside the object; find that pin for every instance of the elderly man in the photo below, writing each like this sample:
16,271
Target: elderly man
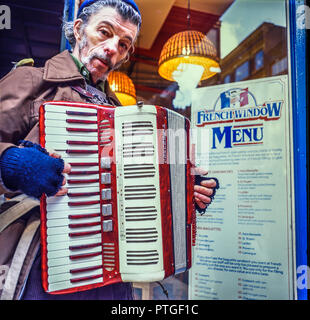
102,38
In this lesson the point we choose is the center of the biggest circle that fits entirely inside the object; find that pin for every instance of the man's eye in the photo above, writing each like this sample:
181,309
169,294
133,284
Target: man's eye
105,32
124,45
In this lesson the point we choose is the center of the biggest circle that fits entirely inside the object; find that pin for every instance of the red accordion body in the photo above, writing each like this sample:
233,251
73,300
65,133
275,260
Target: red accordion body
129,211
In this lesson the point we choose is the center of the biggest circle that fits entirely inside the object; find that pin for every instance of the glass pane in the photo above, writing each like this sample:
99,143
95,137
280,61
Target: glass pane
250,38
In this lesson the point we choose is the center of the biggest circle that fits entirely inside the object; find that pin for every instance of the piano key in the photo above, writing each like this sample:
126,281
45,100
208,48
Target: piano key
87,157
68,276
72,211
62,116
67,230
65,124
83,216
66,199
86,269
66,238
74,243
64,132
75,265
65,109
65,207
67,284
75,195
81,181
63,139
67,221
65,146
66,252
67,261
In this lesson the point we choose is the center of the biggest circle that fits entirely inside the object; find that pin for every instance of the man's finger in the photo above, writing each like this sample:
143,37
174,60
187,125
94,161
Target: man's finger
202,197
61,192
200,204
204,190
67,168
200,171
53,153
209,183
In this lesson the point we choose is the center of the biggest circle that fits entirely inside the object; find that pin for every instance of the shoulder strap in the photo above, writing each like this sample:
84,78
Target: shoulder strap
18,259
24,205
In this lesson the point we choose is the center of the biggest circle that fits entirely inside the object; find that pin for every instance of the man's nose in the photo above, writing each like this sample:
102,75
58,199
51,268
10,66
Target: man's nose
111,46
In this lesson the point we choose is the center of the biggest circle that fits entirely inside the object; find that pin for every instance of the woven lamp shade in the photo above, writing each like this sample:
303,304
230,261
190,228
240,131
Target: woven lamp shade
123,88
191,47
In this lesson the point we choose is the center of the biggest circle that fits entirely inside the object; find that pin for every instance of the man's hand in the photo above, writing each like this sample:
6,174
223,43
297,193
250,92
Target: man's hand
204,191
67,168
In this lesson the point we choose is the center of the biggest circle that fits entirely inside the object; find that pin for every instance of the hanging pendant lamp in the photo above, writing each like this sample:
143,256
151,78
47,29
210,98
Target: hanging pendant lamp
123,88
188,47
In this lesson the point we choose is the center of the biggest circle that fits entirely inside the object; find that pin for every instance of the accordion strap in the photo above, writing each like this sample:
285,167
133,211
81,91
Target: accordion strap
24,205
18,259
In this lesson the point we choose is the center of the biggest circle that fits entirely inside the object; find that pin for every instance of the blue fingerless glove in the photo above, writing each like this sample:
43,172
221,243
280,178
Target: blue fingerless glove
198,180
31,170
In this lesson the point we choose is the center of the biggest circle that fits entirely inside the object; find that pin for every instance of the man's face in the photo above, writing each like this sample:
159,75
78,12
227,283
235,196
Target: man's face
103,45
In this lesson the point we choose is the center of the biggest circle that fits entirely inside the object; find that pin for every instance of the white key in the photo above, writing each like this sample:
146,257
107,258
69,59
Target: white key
67,238
57,214
67,230
60,138
56,246
64,146
64,132
64,206
85,189
67,261
66,252
67,284
65,222
68,276
66,199
64,124
72,156
61,116
63,109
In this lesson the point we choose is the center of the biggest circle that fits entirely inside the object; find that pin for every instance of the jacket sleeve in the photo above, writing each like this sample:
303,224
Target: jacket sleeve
17,90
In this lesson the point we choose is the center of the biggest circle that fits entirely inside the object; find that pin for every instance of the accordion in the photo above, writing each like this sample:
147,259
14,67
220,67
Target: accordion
129,213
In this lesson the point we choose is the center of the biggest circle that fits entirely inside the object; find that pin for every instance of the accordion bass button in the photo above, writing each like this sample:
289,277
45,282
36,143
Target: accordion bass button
107,209
106,178
105,162
107,226
106,194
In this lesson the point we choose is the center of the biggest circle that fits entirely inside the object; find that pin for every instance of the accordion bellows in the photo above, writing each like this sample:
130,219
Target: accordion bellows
129,214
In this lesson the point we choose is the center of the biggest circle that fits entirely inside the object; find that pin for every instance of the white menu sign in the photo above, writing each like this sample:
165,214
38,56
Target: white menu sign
244,241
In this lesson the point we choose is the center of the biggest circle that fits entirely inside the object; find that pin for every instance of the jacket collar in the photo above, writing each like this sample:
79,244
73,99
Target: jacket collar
61,68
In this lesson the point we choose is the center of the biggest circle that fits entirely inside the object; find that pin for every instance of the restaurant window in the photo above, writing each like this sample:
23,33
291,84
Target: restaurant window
227,79
243,71
259,60
279,67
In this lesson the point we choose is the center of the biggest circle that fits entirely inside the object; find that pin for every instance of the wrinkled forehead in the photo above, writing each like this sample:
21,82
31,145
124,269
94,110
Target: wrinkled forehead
109,17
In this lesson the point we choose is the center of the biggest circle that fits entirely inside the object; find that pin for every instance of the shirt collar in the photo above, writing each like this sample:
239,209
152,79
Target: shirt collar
86,74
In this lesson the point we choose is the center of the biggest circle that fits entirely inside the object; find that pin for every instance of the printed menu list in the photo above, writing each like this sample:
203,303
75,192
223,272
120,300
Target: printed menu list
244,240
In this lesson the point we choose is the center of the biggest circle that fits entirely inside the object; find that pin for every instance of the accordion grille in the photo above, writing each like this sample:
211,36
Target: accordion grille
139,213
177,144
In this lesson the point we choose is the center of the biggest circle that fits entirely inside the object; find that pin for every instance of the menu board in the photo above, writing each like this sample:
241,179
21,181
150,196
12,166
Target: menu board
244,241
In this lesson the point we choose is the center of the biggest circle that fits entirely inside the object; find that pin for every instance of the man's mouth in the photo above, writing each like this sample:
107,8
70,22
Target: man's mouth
104,62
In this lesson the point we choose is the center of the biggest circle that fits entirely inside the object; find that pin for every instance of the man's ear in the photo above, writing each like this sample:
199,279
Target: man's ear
77,27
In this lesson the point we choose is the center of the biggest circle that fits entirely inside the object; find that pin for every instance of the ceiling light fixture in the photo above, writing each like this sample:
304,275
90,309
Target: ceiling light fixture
123,88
